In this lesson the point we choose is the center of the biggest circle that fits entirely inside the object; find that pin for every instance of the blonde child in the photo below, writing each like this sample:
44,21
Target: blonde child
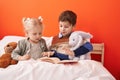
33,45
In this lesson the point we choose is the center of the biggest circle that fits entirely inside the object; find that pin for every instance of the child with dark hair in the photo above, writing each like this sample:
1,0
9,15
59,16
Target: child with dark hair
67,22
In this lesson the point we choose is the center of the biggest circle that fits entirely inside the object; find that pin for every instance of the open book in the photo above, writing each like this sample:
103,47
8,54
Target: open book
56,60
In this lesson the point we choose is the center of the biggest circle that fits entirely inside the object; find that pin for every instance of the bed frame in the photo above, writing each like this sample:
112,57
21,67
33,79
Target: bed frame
98,49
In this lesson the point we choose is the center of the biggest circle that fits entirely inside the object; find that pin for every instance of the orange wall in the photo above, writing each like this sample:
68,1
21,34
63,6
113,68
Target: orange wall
99,17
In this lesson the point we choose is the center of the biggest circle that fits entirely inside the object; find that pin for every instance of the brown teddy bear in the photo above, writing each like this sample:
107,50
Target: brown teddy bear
5,59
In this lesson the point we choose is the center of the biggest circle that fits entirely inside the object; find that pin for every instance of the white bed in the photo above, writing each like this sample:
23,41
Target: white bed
38,70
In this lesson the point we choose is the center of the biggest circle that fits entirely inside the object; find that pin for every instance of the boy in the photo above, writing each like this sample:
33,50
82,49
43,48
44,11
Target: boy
67,22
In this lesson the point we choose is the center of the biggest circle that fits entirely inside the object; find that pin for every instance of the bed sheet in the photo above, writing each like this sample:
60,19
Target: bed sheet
38,70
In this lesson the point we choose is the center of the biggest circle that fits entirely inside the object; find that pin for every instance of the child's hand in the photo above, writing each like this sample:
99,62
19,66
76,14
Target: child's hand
24,57
69,52
47,54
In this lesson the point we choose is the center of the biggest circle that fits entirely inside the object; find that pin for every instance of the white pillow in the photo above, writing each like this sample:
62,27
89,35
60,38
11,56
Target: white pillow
5,40
48,40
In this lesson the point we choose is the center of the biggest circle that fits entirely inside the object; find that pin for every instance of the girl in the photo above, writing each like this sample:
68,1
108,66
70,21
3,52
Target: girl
33,45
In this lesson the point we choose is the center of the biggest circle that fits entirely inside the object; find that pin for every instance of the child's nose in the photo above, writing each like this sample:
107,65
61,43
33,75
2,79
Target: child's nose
38,36
63,28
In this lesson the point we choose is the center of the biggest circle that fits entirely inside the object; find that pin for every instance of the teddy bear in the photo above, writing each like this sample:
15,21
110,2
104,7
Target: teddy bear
6,59
77,39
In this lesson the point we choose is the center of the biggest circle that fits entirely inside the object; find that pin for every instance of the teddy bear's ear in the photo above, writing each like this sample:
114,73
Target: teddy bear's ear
11,44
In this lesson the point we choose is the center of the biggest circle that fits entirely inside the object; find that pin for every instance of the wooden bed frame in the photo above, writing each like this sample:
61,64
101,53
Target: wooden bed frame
98,49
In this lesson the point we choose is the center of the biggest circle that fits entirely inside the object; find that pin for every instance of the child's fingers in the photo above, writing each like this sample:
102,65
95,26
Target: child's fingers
48,55
44,54
65,48
27,56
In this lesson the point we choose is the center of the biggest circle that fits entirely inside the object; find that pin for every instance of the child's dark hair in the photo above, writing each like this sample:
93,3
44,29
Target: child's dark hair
69,16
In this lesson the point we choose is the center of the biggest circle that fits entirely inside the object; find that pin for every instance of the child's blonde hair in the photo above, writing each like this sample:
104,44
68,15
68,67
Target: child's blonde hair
29,23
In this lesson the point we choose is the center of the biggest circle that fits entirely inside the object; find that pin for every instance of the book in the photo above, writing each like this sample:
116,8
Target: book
56,60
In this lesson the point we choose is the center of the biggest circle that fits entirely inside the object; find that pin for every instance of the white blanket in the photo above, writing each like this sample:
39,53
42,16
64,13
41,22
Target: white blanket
38,70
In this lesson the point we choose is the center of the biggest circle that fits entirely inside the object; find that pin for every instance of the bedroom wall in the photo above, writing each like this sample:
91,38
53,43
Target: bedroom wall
99,17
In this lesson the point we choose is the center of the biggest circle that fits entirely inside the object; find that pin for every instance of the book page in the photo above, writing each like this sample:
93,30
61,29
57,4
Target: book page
56,60
67,61
50,59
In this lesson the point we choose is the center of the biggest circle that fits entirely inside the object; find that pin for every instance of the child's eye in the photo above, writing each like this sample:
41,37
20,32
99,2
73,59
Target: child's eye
40,33
61,26
34,33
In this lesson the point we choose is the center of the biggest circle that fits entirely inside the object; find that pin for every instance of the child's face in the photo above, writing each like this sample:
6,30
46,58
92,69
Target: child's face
65,28
35,34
